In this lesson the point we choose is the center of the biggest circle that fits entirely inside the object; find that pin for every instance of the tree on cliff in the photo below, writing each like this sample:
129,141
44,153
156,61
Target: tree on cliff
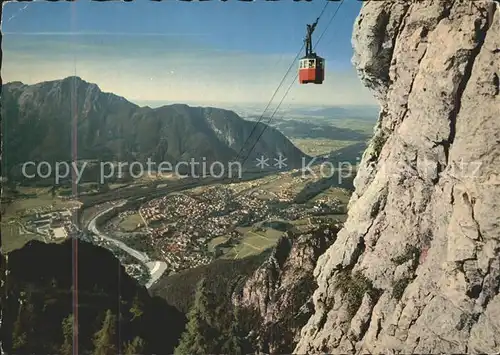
104,339
135,347
19,336
67,329
24,326
233,340
137,308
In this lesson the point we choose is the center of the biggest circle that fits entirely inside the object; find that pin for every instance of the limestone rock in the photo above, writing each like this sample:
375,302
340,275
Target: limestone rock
279,291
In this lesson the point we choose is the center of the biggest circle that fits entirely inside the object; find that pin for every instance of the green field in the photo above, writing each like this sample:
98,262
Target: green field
216,241
12,236
359,125
129,223
284,182
342,195
43,199
253,243
355,124
315,147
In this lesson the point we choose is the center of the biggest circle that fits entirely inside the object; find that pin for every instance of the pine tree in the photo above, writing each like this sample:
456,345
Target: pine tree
137,308
24,325
19,336
200,331
233,338
67,329
104,339
135,347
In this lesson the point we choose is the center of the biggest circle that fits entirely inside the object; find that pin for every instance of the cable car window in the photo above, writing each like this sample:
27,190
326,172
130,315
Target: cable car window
311,63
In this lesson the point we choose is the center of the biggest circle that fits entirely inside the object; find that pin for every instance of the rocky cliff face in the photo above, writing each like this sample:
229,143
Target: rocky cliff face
279,291
416,268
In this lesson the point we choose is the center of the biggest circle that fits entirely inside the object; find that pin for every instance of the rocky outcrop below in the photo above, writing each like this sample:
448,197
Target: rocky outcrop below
279,291
416,268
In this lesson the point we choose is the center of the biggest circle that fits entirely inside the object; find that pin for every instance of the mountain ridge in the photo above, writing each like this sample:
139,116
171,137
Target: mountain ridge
42,120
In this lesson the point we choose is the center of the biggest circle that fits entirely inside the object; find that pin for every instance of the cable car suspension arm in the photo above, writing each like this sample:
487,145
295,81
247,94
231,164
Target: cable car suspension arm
308,39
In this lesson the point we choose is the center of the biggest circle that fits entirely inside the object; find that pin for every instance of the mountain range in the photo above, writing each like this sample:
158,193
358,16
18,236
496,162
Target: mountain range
41,121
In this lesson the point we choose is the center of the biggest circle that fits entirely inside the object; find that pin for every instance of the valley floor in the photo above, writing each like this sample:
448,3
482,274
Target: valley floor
185,229
224,221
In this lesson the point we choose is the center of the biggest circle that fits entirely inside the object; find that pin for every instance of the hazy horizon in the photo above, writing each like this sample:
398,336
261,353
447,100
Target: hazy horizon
227,104
182,52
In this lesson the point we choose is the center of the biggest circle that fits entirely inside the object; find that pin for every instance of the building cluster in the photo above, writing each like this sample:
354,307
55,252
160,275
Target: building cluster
327,206
291,213
183,261
287,191
153,210
55,224
290,187
189,222
181,225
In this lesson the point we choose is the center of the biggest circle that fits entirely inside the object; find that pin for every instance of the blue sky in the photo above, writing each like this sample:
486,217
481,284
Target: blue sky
174,51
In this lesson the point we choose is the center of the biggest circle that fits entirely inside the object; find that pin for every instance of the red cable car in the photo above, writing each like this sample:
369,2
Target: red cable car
311,66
